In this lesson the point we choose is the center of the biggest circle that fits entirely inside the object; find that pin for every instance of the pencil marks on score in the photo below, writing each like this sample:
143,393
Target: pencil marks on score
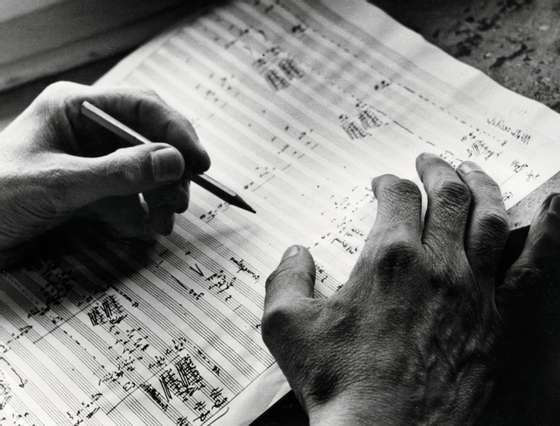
137,341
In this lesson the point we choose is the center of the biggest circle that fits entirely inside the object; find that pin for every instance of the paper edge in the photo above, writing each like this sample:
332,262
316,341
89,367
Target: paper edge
271,385
451,71
255,399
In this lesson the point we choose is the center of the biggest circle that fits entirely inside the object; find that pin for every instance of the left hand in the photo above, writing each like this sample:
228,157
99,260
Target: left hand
411,337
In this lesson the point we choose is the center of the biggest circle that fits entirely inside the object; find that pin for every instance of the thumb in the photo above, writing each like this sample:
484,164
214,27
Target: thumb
294,278
125,171
291,282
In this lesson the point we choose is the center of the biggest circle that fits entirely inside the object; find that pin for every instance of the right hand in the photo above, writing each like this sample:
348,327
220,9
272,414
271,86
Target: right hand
54,162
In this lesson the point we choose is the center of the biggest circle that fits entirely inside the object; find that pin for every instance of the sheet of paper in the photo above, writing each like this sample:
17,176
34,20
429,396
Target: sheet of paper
300,104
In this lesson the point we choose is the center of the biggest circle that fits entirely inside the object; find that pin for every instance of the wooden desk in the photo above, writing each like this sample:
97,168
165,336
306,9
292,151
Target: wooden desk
515,42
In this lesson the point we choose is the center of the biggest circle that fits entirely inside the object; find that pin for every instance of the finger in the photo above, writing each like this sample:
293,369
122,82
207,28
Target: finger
395,238
529,299
399,208
163,203
294,278
538,262
81,181
529,305
448,203
488,226
290,284
162,219
144,111
542,247
174,197
123,216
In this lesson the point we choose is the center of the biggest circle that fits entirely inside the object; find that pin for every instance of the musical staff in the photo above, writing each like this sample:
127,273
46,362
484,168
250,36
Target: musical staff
299,106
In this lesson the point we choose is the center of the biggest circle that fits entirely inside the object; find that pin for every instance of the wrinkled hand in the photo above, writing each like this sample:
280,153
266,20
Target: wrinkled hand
527,390
412,336
55,162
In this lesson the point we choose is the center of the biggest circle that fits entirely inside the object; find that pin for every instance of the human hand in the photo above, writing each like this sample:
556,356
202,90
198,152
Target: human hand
527,385
54,162
411,337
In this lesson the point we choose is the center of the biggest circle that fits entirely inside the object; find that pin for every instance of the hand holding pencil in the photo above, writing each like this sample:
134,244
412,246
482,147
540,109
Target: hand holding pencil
56,162
134,138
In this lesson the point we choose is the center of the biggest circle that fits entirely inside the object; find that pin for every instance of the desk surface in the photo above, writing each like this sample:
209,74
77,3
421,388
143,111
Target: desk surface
516,42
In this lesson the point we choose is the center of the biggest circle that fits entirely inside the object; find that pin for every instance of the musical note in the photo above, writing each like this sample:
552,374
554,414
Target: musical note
298,117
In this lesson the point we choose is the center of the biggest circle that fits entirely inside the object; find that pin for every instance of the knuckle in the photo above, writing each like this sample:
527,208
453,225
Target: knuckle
457,194
147,98
275,320
56,98
146,102
59,89
58,92
54,94
494,224
126,172
398,255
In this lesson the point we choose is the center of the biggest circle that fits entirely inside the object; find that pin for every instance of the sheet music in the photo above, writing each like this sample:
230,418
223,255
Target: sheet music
300,104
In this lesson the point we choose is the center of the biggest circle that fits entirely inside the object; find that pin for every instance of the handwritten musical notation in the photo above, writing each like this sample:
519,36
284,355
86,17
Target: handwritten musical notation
300,104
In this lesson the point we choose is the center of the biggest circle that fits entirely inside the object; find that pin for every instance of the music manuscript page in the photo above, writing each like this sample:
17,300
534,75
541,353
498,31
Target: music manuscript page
300,104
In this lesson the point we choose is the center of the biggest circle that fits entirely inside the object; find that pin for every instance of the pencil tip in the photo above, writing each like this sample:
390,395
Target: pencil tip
243,205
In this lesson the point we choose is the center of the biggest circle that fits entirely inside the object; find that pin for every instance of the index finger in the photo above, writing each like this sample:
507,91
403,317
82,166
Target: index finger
144,111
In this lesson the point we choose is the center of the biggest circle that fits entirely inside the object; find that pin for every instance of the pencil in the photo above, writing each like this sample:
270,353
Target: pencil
134,138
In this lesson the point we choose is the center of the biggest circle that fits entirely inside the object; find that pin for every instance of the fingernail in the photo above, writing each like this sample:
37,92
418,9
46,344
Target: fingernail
291,252
468,166
167,164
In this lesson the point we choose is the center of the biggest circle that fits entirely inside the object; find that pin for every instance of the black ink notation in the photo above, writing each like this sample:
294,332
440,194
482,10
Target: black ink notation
108,311
14,337
210,215
519,167
278,69
220,282
21,382
477,147
365,118
243,267
517,134
86,411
